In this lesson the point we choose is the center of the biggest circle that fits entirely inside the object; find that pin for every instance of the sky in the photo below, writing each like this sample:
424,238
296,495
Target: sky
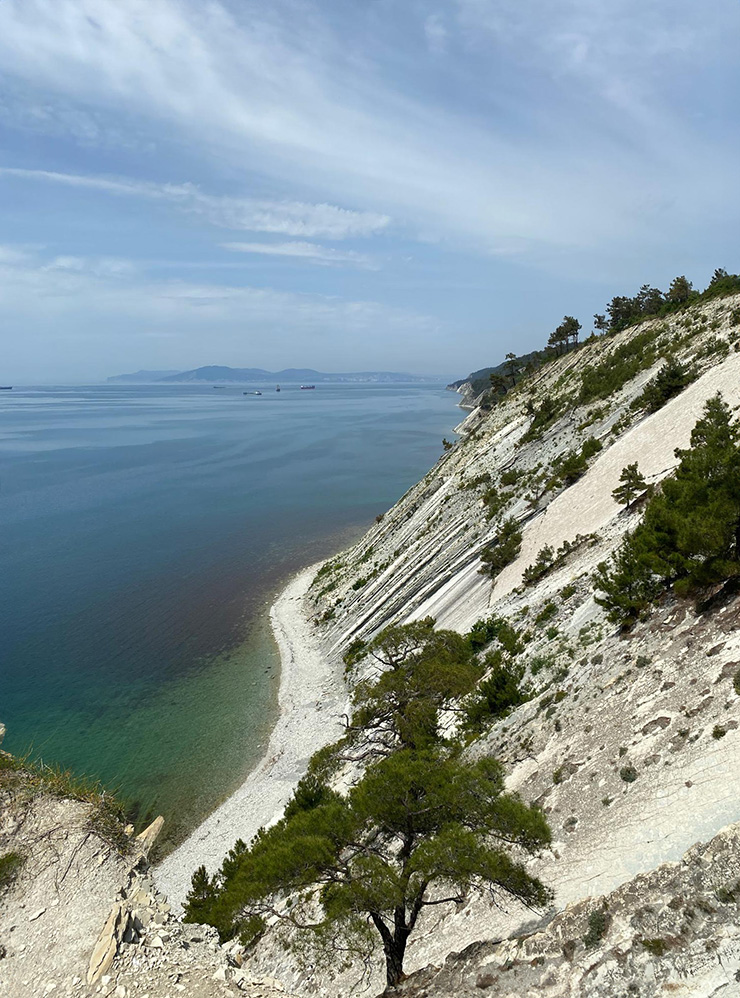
351,184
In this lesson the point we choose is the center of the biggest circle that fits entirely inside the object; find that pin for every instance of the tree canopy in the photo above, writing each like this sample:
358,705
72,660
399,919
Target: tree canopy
419,829
423,825
689,537
502,550
631,486
423,671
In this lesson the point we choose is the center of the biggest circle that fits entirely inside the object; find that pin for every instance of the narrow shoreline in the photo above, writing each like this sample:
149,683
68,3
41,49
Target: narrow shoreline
311,699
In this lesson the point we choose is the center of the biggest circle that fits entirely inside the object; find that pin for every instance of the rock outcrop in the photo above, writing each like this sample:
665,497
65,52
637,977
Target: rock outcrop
672,931
83,917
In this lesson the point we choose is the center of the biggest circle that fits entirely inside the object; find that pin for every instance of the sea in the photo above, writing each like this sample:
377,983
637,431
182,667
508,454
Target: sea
145,531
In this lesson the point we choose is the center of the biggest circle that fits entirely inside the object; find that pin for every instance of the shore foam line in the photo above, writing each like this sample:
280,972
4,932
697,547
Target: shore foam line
311,699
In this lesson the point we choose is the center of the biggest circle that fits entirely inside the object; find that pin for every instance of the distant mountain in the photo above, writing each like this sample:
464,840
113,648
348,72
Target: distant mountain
252,374
142,377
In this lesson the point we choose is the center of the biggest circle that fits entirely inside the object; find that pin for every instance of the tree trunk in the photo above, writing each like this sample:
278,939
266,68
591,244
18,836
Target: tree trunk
394,953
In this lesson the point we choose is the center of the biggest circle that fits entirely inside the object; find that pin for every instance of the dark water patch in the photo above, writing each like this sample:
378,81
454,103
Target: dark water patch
143,533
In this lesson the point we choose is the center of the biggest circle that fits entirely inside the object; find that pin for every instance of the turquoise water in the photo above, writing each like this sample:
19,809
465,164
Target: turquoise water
143,533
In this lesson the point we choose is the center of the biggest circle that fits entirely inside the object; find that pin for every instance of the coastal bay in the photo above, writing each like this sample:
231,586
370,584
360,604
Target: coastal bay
146,531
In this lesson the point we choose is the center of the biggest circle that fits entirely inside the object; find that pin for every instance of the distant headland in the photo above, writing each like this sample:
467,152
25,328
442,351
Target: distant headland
251,374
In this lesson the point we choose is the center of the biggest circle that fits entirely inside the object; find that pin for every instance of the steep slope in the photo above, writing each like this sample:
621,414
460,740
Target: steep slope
79,913
423,556
671,931
630,741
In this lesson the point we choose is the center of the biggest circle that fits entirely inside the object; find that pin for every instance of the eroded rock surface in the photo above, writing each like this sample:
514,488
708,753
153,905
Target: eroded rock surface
83,918
674,931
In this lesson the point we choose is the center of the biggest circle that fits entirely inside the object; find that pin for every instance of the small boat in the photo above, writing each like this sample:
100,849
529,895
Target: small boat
307,388
219,386
251,393
6,388
277,388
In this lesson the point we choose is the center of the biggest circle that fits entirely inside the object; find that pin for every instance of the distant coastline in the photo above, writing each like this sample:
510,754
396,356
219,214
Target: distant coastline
256,375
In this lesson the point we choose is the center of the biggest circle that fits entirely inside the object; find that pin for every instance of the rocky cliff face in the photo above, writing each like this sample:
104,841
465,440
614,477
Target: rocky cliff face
423,557
80,915
630,742
671,931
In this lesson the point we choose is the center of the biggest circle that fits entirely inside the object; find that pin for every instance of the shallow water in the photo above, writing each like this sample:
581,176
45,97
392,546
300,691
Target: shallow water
143,533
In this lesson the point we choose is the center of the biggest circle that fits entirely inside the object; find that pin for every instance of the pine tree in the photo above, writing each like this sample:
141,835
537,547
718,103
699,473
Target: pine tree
419,829
200,899
503,549
423,826
692,527
679,290
627,584
690,535
512,367
670,381
632,485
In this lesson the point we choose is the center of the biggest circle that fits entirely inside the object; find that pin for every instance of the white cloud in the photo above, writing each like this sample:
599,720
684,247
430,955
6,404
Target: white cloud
83,311
291,218
11,254
310,252
96,266
436,33
559,132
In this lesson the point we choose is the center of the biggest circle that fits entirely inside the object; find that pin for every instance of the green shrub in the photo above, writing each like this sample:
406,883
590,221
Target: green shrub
736,682
544,416
10,865
494,501
539,662
728,895
658,947
355,651
688,538
573,464
503,550
628,773
477,481
670,381
590,446
548,560
484,631
542,565
510,477
620,366
572,467
548,611
497,695
718,732
598,926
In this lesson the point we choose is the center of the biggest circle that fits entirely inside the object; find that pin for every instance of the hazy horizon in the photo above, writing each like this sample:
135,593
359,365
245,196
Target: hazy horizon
364,186
50,382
